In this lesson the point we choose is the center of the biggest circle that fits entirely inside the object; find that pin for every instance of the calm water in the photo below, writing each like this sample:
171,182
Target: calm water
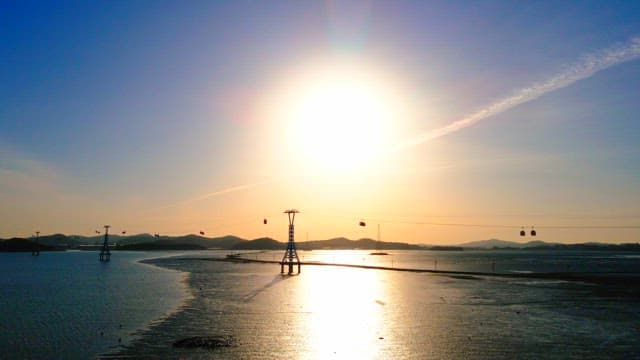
477,261
324,313
350,313
57,305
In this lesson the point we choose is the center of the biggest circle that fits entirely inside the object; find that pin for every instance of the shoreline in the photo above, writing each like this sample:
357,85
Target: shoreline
156,339
187,296
592,277
225,306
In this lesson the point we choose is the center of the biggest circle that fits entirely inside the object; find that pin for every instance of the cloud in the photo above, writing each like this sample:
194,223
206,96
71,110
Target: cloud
225,191
586,67
20,173
36,195
212,194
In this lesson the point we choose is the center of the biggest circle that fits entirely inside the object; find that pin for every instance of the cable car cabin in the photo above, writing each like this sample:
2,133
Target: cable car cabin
362,223
264,221
533,232
522,232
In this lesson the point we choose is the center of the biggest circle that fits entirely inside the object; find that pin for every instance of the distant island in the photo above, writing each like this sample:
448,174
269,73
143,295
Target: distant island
195,242
143,242
496,244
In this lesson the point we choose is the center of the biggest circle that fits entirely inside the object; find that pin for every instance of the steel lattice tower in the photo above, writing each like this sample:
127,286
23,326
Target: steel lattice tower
290,255
105,254
36,245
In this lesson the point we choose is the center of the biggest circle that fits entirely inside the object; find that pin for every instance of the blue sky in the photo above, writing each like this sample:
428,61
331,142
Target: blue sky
109,110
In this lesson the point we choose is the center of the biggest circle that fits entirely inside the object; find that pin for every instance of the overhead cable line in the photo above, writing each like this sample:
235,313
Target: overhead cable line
457,224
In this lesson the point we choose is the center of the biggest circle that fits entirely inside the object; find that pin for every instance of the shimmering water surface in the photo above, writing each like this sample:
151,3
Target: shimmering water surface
332,312
68,305
501,261
351,313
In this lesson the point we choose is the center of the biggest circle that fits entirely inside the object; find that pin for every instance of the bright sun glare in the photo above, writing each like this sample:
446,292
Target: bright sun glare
339,120
340,123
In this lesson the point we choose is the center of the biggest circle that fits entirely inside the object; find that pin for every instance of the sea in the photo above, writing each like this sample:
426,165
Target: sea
478,305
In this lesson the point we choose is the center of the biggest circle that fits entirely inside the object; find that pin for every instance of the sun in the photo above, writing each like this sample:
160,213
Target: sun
334,119
340,122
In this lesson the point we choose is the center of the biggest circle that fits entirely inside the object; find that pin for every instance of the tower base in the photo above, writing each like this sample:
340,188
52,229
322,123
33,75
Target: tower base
290,266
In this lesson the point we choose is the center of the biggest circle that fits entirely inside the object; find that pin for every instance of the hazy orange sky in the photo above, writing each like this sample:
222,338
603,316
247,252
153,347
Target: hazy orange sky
441,122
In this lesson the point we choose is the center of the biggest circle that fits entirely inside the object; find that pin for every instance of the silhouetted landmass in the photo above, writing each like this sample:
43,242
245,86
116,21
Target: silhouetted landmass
446,248
590,246
58,240
495,244
126,240
342,243
259,244
230,242
499,244
224,242
75,241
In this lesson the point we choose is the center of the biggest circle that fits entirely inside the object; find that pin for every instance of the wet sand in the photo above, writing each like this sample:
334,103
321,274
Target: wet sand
372,313
629,280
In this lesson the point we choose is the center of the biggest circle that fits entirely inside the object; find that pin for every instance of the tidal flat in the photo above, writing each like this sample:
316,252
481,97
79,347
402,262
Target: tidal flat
336,312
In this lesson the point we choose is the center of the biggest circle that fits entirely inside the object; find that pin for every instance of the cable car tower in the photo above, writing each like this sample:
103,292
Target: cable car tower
105,254
36,245
290,255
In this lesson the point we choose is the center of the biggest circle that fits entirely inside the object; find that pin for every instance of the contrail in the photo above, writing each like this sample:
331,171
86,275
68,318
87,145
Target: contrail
586,67
224,191
206,196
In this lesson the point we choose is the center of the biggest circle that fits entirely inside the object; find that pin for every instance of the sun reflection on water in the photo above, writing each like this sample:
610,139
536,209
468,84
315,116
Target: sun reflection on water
345,309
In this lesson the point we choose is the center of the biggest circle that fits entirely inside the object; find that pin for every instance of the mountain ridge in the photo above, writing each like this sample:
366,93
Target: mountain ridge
232,242
497,243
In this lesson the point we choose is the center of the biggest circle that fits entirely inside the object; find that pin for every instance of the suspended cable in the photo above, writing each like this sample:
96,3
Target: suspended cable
457,224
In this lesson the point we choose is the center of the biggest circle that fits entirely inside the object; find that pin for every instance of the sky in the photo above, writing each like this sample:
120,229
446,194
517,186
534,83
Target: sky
438,122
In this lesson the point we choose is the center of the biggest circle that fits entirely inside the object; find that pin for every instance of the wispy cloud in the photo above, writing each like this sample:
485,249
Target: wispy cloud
36,195
22,174
586,67
209,195
225,191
